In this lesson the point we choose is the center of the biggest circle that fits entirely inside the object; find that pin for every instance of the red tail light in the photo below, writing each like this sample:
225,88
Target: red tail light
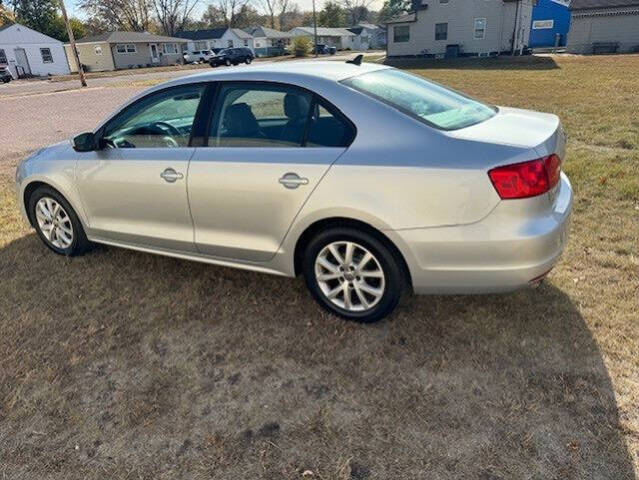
526,179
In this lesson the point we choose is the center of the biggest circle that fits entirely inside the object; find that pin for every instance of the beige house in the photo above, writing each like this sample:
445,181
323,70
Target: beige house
122,50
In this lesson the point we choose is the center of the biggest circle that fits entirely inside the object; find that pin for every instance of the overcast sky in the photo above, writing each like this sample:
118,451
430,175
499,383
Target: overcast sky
304,5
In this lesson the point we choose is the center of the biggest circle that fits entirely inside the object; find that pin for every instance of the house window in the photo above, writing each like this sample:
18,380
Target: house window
97,49
3,56
401,33
170,48
443,1
46,55
229,43
125,48
479,28
201,46
441,31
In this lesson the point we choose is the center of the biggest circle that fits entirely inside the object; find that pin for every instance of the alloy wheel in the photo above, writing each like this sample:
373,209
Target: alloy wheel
54,223
350,276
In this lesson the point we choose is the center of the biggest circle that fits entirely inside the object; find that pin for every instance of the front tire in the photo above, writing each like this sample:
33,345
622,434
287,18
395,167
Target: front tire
248,60
56,223
227,62
353,274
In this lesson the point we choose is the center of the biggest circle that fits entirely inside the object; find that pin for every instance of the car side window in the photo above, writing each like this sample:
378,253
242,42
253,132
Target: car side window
328,130
161,120
260,115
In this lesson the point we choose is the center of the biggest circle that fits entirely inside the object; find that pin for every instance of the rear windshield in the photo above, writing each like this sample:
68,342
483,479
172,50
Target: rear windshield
426,101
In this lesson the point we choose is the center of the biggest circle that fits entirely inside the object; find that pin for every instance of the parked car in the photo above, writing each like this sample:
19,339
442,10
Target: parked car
198,56
324,49
366,180
5,75
232,56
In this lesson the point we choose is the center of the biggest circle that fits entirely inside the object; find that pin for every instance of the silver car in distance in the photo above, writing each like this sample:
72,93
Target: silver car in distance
366,180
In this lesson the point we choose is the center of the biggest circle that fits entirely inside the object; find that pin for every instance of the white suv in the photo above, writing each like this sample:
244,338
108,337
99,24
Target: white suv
198,56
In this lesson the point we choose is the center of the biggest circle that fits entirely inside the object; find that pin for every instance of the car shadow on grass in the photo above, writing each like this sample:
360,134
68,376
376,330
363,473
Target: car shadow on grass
504,62
122,363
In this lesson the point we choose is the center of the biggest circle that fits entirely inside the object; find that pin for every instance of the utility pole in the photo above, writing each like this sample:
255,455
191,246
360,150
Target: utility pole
315,29
74,50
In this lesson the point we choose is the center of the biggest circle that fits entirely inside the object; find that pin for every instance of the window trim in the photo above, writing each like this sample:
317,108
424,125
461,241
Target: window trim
177,50
315,99
42,49
100,132
475,37
126,48
395,27
446,36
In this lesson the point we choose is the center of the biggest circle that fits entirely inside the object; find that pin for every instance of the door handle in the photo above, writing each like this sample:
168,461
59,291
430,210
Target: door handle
171,175
293,180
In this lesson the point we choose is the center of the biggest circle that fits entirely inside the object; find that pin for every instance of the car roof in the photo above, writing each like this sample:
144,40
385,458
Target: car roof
331,70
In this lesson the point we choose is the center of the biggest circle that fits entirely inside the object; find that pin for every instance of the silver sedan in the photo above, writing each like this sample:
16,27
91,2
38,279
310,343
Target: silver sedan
366,180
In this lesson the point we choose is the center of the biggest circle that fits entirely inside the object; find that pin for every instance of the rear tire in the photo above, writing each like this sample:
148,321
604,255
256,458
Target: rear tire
56,223
248,60
353,274
227,62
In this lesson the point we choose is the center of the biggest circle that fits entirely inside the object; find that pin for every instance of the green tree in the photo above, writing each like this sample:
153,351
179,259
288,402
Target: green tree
301,46
39,15
332,15
392,9
59,29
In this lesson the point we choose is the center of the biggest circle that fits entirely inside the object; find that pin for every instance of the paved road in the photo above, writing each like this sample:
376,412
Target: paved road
34,114
30,87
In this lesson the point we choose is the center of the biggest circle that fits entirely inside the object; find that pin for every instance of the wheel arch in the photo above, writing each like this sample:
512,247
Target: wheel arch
32,186
332,222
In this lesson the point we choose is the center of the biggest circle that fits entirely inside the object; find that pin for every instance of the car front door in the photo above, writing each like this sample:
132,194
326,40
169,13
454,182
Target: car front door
263,157
134,189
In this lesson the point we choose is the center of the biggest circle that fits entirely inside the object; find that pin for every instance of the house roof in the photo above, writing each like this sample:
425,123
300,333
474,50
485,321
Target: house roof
368,25
267,32
26,34
128,37
241,33
356,30
211,34
408,17
326,31
589,4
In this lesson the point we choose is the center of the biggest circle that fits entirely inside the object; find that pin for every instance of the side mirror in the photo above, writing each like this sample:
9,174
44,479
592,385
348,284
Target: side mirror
85,142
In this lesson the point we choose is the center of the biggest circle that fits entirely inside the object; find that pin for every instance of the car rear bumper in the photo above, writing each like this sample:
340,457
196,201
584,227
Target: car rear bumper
518,242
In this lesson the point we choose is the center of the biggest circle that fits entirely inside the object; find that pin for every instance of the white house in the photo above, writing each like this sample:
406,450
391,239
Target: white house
216,39
438,28
368,36
268,42
603,26
27,52
340,38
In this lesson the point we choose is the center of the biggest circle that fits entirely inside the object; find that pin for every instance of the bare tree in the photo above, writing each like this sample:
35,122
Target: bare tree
269,6
356,10
173,14
119,14
231,8
283,7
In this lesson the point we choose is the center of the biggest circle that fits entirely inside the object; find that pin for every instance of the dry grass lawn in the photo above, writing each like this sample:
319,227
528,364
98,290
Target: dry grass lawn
127,365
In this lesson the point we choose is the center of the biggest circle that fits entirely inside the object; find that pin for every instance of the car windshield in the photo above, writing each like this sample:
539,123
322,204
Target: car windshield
426,101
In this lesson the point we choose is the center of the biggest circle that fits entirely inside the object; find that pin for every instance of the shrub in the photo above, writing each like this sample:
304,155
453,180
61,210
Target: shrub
301,46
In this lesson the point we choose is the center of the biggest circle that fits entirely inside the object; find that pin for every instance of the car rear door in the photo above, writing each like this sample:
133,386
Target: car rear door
257,168
134,189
